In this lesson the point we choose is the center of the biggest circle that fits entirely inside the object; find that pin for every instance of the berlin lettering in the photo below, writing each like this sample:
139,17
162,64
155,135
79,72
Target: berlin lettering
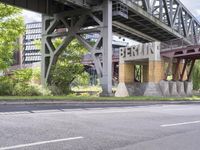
141,50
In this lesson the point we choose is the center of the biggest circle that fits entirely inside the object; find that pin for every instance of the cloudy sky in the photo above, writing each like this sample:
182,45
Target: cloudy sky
192,5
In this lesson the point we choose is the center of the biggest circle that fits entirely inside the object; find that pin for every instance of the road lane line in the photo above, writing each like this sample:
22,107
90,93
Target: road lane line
40,143
179,124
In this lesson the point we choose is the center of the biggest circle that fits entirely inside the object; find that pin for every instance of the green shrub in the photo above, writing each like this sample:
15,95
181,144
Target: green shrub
196,76
23,76
21,89
6,86
19,84
36,77
43,91
81,80
55,90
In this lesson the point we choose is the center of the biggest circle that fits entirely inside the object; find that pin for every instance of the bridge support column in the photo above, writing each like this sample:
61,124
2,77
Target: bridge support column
153,71
50,53
106,81
126,73
126,79
77,24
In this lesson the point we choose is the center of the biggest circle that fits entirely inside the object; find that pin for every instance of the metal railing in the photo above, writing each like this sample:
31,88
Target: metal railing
179,43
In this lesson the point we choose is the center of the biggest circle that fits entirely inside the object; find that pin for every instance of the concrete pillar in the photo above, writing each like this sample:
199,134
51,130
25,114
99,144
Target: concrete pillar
145,72
188,88
153,71
106,81
126,80
126,73
173,89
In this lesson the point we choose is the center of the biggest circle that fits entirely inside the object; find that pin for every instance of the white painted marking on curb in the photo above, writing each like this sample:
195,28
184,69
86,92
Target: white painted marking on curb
179,124
40,143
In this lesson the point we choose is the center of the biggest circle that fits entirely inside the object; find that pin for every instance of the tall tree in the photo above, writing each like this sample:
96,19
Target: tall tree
11,26
68,66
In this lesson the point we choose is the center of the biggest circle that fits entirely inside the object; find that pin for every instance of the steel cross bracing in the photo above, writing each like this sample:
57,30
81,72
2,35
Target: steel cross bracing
75,24
173,19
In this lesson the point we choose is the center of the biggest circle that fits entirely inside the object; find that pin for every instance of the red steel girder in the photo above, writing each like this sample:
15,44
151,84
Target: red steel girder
184,52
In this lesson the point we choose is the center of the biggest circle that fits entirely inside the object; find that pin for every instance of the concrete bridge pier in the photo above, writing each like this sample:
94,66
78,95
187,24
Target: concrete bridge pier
148,58
153,73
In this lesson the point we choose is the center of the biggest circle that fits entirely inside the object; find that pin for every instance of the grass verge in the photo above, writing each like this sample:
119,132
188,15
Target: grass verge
93,98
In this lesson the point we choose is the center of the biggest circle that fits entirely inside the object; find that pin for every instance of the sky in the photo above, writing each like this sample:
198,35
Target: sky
30,16
193,6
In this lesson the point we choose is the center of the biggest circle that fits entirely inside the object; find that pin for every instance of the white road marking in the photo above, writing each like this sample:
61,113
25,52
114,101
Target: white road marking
40,143
180,124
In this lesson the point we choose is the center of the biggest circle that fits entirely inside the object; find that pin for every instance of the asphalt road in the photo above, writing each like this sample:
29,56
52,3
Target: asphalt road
153,127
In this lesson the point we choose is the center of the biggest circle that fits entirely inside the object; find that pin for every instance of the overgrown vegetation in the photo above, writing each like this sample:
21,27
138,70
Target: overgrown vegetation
20,84
196,76
67,68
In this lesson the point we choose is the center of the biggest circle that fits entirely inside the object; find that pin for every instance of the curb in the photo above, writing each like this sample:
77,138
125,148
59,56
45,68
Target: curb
97,102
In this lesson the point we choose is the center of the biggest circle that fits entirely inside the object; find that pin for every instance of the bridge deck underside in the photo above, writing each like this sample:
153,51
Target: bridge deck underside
150,31
140,25
144,26
41,6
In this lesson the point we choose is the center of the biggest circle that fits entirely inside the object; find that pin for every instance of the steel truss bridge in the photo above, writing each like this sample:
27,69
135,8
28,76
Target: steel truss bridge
140,20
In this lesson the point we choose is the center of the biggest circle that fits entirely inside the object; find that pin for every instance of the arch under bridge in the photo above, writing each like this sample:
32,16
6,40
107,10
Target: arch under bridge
141,20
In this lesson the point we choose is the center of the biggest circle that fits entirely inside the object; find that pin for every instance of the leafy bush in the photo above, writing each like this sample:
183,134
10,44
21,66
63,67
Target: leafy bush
22,85
26,90
19,84
82,80
23,76
56,90
43,91
36,76
6,86
196,76
63,75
